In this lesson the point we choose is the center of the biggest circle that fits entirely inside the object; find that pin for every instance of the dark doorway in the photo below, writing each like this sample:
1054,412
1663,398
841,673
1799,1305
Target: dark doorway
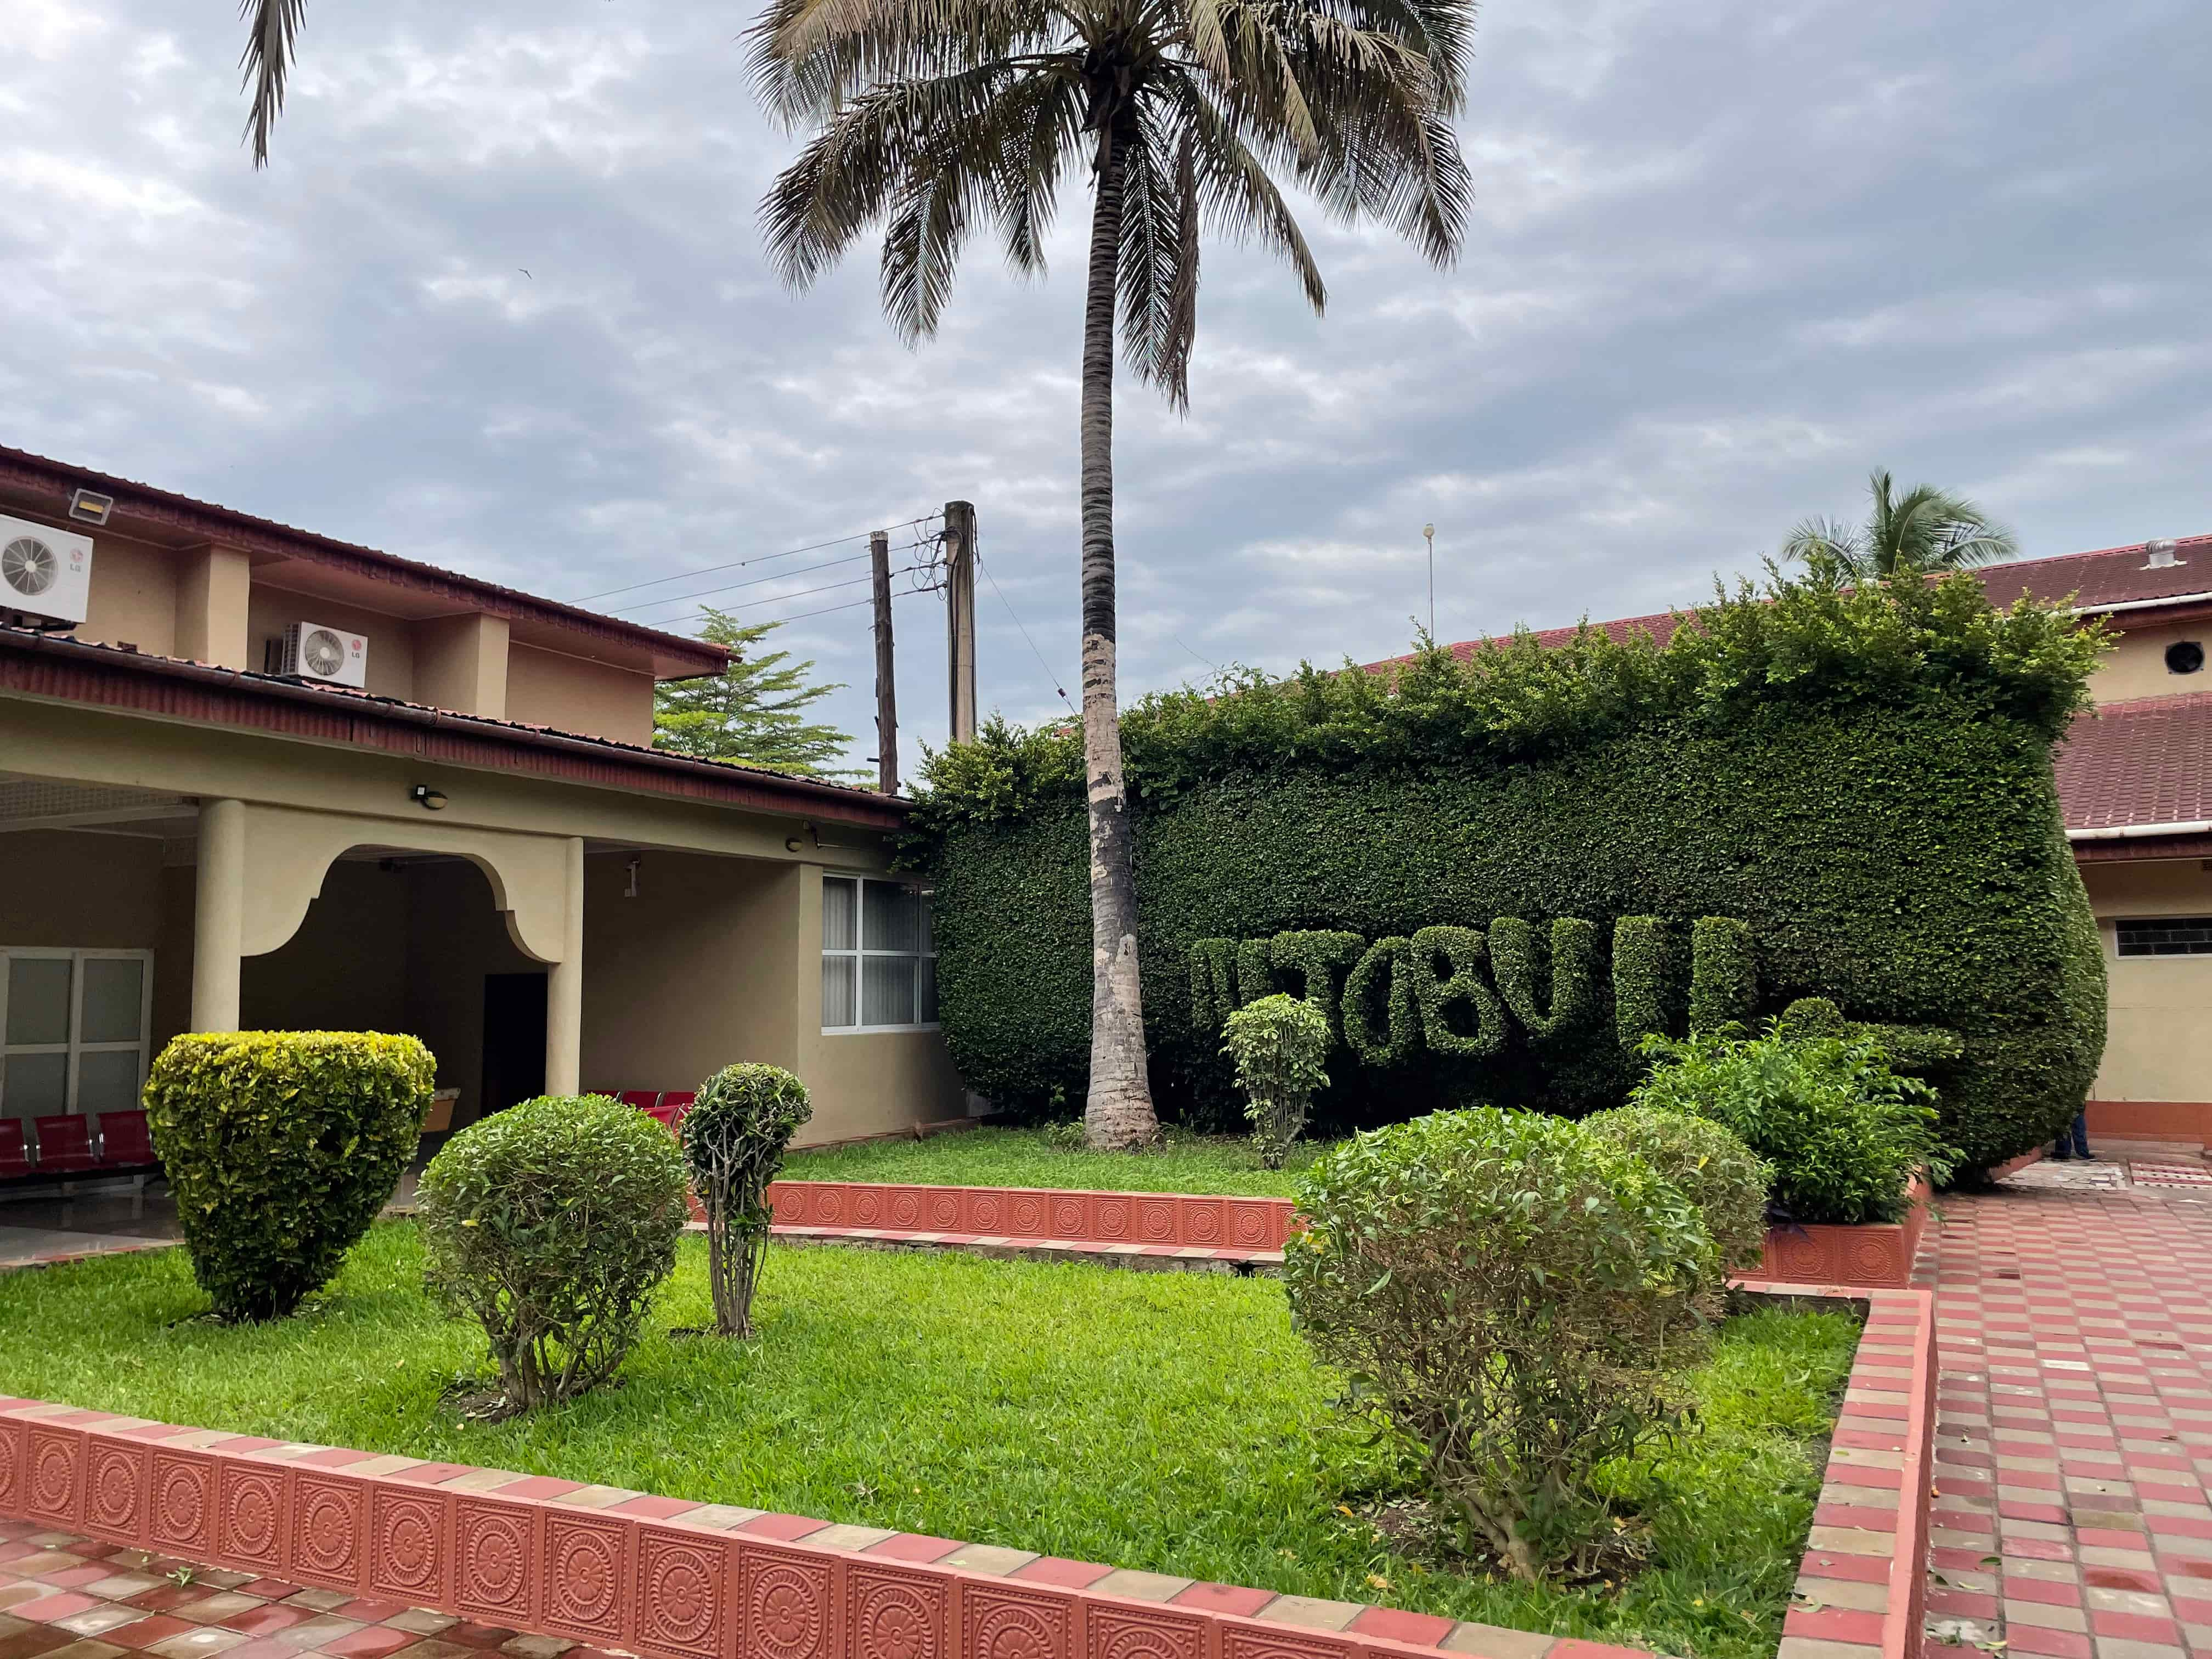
514,1040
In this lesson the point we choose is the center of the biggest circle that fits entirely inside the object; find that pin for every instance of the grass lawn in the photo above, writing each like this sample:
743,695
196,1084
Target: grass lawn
1158,1420
1023,1158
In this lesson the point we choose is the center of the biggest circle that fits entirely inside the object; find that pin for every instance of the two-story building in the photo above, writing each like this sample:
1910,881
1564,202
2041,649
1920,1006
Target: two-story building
253,777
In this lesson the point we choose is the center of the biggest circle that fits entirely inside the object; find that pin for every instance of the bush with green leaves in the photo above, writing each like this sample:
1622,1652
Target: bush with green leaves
281,1147
1278,1045
734,1139
550,1223
1725,1178
1844,1133
1509,1295
1858,783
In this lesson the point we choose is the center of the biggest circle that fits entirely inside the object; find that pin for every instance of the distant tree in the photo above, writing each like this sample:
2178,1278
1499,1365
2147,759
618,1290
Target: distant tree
1925,529
754,714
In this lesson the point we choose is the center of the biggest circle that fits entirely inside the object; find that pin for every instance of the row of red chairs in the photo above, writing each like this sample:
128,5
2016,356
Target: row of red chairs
105,1143
666,1107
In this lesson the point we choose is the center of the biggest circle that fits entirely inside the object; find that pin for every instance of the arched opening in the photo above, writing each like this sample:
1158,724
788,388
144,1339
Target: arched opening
406,941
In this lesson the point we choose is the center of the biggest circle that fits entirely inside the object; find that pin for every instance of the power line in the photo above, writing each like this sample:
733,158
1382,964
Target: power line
758,558
731,587
778,599
1050,677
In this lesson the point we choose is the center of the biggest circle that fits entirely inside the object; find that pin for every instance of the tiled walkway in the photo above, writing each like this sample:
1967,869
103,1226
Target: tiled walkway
65,1597
2073,1316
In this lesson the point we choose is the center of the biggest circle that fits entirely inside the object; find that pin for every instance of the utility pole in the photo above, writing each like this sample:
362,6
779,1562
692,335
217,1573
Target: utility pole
960,615
880,571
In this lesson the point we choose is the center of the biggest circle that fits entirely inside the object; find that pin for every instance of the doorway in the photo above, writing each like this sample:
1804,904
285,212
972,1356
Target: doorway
514,1040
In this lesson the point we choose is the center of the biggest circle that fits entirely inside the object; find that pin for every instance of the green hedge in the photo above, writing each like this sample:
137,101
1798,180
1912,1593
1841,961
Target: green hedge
1823,795
281,1147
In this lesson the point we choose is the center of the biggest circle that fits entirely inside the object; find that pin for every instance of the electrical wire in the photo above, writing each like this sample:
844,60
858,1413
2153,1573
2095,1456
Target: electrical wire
731,587
758,558
804,593
1052,679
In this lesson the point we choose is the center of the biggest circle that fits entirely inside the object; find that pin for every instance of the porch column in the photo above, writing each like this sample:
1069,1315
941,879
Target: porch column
219,925
564,988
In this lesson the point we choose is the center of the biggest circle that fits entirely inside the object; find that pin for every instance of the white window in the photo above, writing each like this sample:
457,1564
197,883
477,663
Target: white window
73,1029
879,958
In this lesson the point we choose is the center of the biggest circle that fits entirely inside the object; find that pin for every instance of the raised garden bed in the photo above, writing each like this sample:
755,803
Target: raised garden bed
1168,1425
1875,1253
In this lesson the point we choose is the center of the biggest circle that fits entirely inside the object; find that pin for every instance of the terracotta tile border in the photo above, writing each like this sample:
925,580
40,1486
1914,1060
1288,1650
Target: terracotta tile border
1246,1232
675,1580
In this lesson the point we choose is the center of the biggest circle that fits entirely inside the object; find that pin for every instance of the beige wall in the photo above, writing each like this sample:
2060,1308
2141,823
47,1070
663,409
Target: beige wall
346,968
2136,667
133,596
2160,1045
460,663
545,688
454,939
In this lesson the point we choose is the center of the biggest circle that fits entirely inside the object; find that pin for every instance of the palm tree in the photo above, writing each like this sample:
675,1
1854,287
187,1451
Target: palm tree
929,116
1925,531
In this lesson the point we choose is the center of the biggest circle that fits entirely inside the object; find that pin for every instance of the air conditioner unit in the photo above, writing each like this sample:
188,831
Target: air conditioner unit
310,651
44,574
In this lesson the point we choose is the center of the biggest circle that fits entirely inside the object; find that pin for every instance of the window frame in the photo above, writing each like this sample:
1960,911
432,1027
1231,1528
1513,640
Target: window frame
2121,953
76,1048
860,953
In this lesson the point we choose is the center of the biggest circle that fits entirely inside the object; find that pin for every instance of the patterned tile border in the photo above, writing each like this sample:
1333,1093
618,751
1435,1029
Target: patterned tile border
1246,1232
675,1580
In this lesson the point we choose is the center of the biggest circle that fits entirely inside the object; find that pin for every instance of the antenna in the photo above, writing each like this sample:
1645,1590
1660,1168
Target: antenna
1428,535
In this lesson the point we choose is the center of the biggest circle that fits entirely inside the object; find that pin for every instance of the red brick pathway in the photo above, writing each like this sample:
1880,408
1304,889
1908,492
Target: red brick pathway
66,1597
2073,1423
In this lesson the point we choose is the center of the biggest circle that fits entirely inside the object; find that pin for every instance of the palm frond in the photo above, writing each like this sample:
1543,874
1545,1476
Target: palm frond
271,44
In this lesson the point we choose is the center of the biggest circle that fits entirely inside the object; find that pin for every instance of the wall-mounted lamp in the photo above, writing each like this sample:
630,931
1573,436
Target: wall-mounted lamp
792,844
90,507
429,799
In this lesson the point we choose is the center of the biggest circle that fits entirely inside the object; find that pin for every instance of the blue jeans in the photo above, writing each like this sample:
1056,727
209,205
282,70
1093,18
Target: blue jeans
2073,1142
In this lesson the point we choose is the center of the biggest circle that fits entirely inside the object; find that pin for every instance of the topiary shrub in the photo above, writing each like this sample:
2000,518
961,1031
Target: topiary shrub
734,1139
1725,1178
1844,1133
1508,1293
281,1147
550,1223
1279,1043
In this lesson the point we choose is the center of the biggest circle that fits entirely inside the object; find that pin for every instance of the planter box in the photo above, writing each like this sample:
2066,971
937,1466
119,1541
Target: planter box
1875,1253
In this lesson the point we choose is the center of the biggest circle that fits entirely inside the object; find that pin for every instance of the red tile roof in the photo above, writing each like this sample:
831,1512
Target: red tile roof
2148,762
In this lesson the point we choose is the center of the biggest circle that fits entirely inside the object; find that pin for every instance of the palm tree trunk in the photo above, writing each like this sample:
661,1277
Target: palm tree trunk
1119,1113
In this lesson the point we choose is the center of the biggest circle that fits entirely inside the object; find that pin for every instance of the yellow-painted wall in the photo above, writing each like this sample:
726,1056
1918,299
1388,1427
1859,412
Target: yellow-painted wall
2160,1045
545,688
2137,665
132,599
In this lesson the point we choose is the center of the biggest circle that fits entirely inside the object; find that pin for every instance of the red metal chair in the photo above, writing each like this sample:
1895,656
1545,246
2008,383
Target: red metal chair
64,1145
676,1103
125,1143
15,1151
644,1099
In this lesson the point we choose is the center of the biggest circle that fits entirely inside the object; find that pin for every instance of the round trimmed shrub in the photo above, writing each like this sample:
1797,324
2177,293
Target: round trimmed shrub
1715,1171
281,1147
1278,1043
1844,1134
1510,1293
734,1139
550,1223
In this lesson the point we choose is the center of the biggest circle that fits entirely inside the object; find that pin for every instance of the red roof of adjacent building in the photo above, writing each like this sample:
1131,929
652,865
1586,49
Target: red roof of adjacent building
2147,762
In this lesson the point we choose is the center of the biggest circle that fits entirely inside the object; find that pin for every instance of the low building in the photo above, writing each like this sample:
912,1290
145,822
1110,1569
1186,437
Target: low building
2134,779
253,777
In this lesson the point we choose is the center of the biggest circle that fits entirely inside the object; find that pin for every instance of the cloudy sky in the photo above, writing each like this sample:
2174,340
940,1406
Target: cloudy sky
1725,257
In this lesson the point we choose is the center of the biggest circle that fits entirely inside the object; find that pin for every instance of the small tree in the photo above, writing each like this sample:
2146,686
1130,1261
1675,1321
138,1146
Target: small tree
550,1223
734,1139
1923,532
1279,1043
754,714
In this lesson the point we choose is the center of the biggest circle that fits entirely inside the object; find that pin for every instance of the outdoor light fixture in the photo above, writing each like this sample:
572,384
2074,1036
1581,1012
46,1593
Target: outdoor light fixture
431,800
792,844
90,507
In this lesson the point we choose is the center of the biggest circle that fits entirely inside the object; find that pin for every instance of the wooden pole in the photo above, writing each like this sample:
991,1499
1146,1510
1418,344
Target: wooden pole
960,615
879,569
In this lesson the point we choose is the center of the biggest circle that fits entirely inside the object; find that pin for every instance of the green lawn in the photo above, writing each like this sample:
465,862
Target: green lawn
1023,1158
1157,1420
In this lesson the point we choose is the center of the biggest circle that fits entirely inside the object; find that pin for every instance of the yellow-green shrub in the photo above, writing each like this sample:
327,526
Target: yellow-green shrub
281,1147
